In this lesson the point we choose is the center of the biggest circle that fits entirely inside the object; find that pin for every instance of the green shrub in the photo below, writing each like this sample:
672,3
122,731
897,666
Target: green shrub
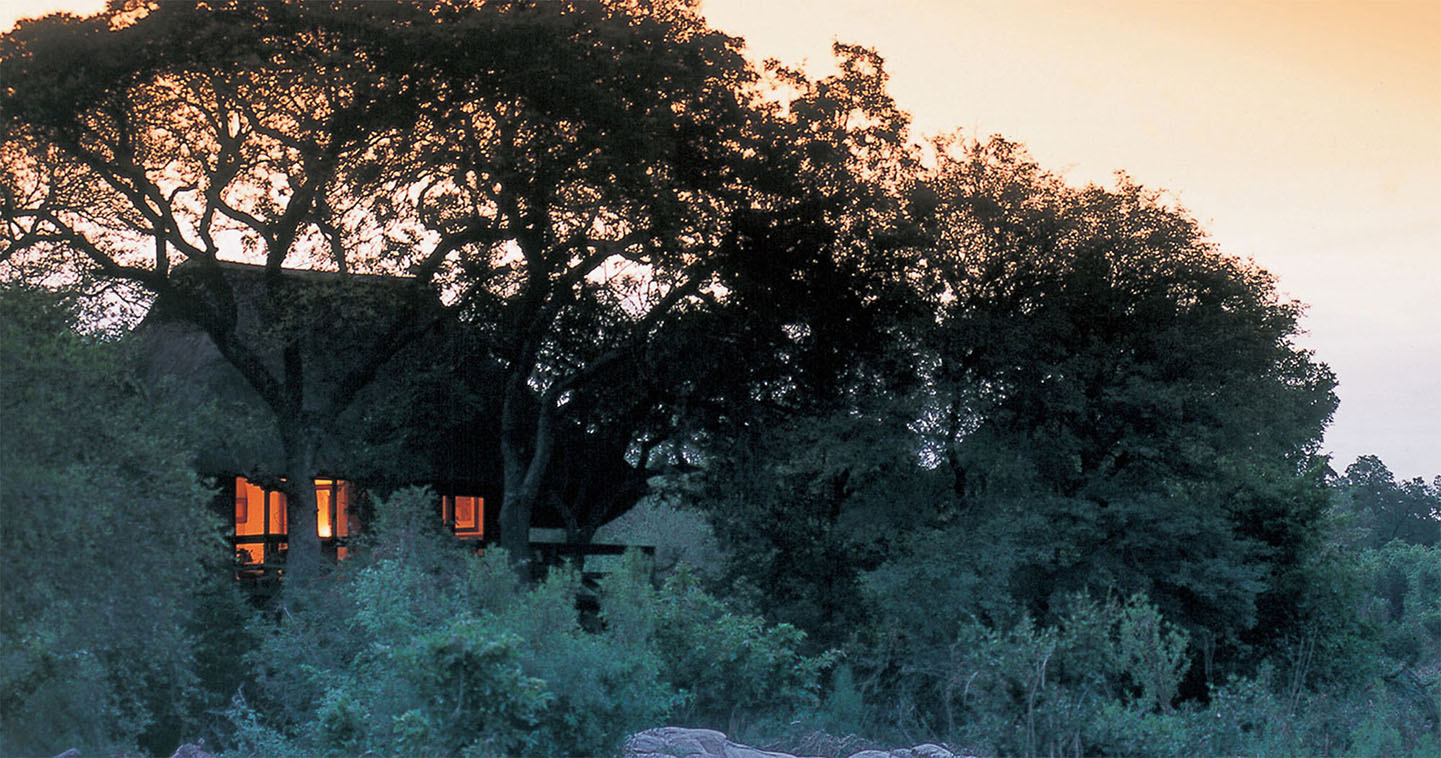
417,647
1260,716
1024,688
106,536
468,692
731,667
604,684
1405,600
251,736
1152,652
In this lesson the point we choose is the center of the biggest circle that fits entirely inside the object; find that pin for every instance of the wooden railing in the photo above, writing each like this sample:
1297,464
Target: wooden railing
547,554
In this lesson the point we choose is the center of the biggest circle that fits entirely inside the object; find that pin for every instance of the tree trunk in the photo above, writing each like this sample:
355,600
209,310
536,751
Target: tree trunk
523,472
515,512
302,562
523,476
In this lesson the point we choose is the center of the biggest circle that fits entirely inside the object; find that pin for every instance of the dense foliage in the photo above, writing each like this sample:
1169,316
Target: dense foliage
113,558
420,647
991,459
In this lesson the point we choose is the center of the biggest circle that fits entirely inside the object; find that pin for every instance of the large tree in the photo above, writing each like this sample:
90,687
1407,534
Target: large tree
147,140
799,477
569,179
1101,371
1383,509
585,166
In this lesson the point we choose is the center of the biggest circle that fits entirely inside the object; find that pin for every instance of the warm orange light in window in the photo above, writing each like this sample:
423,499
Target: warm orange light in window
257,514
322,508
260,514
464,514
332,508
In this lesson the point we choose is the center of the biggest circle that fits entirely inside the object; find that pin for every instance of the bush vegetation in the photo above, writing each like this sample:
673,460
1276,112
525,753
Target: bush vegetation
417,646
421,647
114,585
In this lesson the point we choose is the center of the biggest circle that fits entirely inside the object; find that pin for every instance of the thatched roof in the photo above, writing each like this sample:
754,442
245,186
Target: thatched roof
430,416
340,321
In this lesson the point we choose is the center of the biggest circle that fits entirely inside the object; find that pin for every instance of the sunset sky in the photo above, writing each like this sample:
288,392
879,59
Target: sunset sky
1304,135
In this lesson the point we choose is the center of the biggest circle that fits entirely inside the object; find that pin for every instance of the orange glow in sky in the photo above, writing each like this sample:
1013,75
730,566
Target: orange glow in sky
1303,135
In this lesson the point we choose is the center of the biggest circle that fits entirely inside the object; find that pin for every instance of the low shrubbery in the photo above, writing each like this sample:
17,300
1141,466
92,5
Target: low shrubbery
1105,678
417,647
1024,688
113,585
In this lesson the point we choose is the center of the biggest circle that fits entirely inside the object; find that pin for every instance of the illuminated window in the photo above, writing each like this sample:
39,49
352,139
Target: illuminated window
333,519
261,523
465,515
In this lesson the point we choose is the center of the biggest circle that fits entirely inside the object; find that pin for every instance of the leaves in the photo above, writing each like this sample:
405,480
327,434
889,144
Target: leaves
108,533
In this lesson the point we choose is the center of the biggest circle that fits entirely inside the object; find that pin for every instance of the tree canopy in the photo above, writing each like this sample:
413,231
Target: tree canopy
645,253
1099,359
1096,400
1384,509
184,134
571,180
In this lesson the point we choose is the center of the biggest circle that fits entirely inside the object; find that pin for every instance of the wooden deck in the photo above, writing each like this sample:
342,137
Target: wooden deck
547,555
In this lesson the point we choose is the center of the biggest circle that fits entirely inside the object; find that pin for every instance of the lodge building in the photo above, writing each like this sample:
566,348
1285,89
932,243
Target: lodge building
427,419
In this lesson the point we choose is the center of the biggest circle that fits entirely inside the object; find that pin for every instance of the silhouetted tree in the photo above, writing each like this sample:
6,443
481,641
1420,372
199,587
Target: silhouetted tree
1387,510
144,138
595,190
1101,371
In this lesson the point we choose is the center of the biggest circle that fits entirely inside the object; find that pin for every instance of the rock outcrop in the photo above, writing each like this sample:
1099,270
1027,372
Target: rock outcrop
927,750
192,751
679,742
920,751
